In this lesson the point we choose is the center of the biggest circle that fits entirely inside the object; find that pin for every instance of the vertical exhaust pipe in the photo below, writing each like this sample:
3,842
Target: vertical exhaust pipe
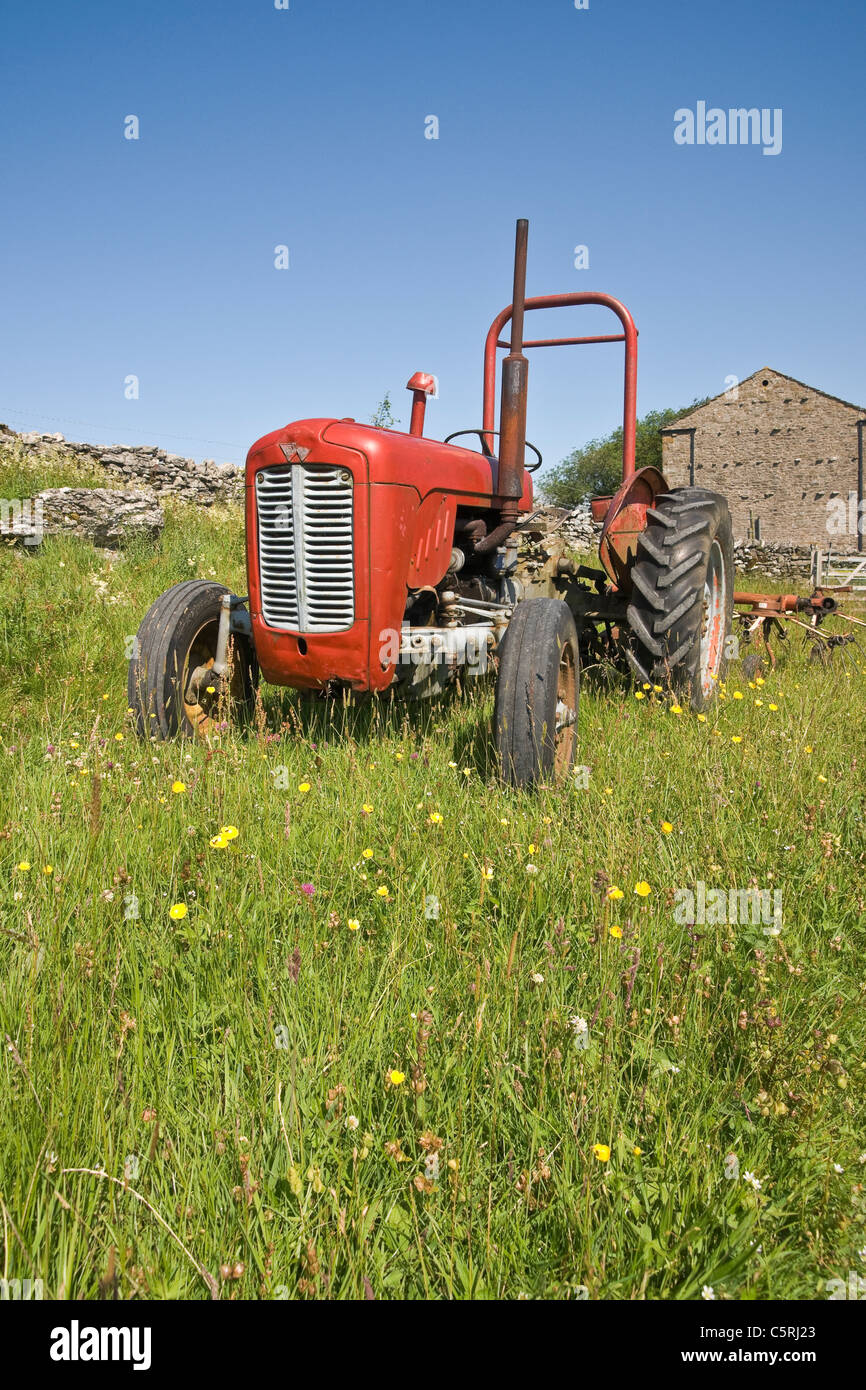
515,380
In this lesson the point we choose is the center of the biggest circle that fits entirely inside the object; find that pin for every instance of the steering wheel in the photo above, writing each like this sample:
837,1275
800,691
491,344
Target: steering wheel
530,468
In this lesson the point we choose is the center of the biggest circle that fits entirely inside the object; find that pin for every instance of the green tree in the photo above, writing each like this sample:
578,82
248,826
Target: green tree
595,469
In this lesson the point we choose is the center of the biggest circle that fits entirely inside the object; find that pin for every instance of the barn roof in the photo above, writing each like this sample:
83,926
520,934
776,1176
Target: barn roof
692,414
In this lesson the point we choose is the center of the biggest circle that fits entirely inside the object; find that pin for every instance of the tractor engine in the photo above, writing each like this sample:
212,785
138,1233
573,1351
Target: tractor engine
374,556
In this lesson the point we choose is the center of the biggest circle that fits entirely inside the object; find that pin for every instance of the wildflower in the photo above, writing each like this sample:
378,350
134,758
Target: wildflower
616,932
211,689
773,707
367,809
396,1078
666,827
177,912
118,738
230,832
578,1025
354,924
532,868
487,872
708,1293
808,748
738,694
48,869
752,1180
352,1122
636,1151
702,719
821,778
532,849
503,820
24,866
218,842
308,890
467,772
615,893
537,979
735,738
639,695
657,689
642,889
837,1168
178,787
367,853
435,818
304,787
608,791
382,892
602,1152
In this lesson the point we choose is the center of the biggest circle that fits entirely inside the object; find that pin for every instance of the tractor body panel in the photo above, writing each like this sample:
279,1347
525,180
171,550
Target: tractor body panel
342,521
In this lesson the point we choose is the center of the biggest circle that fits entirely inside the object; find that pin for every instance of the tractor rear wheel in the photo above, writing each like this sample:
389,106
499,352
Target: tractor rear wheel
682,604
178,636
537,693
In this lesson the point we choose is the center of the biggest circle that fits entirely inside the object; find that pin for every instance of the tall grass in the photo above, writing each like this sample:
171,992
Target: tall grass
253,1099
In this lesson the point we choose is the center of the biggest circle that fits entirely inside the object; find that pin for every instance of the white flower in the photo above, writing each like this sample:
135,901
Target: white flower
708,1292
352,1122
837,1168
579,1025
753,1181
537,979
675,1070
532,868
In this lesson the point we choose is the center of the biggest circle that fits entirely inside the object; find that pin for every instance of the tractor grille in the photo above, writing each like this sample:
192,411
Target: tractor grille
304,516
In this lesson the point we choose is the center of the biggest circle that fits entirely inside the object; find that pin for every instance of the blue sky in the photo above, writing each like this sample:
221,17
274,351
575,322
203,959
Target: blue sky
305,127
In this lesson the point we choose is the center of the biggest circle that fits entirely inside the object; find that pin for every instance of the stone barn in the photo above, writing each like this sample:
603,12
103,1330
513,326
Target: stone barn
788,458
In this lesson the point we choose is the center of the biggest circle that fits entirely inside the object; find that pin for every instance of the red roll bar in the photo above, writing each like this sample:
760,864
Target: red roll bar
561,301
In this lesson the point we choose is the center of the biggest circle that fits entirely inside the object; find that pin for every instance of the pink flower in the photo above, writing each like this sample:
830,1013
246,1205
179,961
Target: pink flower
308,889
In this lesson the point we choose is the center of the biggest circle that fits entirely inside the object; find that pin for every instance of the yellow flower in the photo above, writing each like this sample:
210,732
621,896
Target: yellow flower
178,912
738,694
759,680
666,827
211,689
48,869
367,853
821,779
435,818
218,842
702,719
615,893
354,924
608,791
602,1152
396,1078
452,764
73,743
382,892
639,695
808,748
303,787
676,709
773,707
642,889
636,1151
759,703
735,738
119,738
616,932
229,832
532,849
367,809
657,689
178,787
24,866
487,873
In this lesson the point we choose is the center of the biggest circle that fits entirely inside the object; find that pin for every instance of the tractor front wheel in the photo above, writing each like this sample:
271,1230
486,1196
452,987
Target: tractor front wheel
168,687
682,604
537,692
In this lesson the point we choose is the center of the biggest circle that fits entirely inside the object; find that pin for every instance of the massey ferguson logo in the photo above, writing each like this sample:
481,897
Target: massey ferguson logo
294,453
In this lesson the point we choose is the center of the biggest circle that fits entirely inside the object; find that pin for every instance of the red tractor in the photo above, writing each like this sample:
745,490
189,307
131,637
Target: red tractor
380,560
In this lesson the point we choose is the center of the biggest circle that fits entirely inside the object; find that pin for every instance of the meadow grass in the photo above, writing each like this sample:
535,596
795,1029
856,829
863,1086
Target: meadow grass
259,1099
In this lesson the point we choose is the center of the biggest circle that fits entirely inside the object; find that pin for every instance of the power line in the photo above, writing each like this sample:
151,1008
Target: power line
93,425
